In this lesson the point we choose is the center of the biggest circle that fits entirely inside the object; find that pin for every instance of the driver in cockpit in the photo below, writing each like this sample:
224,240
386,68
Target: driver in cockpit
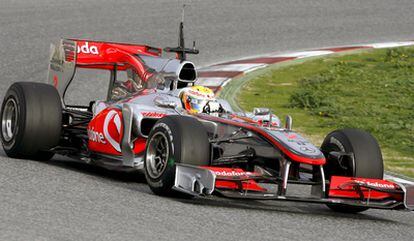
133,84
200,99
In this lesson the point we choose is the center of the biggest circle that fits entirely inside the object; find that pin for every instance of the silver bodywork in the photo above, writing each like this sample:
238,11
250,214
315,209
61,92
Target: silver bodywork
156,103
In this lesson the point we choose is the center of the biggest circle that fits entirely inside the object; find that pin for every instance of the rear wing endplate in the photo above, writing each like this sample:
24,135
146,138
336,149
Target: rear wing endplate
62,65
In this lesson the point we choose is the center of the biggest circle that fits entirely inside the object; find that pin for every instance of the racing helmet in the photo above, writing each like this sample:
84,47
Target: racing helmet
199,99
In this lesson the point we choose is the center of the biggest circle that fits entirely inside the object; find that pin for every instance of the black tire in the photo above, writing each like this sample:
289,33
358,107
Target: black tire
187,142
368,160
34,127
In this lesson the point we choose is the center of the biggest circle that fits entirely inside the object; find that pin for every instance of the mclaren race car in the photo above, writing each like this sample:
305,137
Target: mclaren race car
159,122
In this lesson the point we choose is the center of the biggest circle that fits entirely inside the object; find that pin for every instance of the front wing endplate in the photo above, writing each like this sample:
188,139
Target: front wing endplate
194,180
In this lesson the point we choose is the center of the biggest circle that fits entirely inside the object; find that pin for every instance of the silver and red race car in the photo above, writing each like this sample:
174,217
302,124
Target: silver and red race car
144,126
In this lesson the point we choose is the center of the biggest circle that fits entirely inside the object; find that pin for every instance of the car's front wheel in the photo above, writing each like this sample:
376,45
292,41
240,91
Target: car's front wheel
367,161
174,139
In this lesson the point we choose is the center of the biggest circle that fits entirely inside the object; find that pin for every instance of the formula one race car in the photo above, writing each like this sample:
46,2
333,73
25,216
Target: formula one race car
184,139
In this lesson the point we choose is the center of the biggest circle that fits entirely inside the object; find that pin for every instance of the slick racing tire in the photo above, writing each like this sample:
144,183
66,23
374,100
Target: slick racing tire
31,116
174,139
367,163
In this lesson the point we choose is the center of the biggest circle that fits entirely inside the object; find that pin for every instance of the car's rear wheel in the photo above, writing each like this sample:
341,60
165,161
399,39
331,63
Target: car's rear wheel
31,117
174,139
367,163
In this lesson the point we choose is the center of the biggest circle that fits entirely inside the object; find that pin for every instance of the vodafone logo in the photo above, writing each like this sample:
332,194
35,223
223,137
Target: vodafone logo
377,184
153,114
112,116
96,136
231,173
86,49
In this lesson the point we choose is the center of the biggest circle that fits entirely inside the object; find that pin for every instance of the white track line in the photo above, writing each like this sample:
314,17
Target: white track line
391,45
233,67
398,179
211,81
306,54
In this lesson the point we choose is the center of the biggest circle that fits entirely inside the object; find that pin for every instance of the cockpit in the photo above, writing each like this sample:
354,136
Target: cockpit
163,74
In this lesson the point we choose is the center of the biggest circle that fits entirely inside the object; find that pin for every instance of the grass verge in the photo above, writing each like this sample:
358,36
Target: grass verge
371,90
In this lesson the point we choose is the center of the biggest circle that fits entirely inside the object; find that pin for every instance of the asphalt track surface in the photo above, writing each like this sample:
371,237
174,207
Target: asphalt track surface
61,200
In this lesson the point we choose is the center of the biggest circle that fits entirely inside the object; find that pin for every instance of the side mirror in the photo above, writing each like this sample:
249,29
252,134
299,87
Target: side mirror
261,111
288,123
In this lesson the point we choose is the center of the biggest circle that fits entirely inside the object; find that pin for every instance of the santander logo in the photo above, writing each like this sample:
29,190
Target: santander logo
112,115
86,49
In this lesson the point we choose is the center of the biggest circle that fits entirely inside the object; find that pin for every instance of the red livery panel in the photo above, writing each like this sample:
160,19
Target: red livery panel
105,55
236,178
363,188
105,133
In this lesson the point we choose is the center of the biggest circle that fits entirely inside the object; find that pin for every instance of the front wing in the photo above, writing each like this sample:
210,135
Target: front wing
236,183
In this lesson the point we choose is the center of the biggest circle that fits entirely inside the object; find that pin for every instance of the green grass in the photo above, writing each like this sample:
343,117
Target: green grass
371,90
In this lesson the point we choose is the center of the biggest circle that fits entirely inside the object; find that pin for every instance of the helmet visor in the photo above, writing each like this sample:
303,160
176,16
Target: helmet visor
198,105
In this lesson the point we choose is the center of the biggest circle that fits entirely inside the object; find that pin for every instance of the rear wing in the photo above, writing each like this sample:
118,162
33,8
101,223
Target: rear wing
62,64
70,54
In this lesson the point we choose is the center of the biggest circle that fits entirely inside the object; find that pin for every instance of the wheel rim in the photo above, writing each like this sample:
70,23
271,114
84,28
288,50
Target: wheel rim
9,120
157,155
